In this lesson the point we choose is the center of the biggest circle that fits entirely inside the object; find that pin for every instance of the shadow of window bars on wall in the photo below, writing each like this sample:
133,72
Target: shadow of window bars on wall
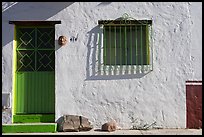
124,47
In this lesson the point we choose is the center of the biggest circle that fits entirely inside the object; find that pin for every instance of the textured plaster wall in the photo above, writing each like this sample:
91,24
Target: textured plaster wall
158,96
6,116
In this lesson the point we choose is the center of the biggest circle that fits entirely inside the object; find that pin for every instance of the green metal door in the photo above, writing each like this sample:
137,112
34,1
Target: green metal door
35,70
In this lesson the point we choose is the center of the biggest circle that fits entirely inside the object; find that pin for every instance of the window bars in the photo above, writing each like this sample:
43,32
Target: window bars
125,44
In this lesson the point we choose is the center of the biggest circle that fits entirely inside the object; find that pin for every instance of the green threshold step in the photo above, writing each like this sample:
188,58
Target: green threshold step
29,128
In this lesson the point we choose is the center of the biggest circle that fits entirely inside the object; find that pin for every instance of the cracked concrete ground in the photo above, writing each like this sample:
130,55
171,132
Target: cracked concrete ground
124,132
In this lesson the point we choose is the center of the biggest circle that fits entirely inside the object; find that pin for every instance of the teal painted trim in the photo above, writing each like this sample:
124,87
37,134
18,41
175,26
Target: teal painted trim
29,128
46,118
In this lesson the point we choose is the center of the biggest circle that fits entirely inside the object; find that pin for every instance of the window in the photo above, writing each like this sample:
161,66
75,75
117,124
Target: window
125,45
126,42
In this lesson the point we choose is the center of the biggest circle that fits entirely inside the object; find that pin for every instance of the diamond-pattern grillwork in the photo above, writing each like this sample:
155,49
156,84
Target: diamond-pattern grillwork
25,60
45,38
26,38
45,60
35,49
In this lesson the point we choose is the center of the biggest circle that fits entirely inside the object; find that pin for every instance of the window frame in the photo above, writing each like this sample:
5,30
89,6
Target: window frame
126,22
130,45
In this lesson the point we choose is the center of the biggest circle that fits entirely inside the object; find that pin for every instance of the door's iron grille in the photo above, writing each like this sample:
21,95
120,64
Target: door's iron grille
35,49
45,38
26,60
26,38
45,61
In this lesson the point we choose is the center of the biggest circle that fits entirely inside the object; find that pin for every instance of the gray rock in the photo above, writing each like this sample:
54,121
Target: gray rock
85,124
71,123
109,126
74,123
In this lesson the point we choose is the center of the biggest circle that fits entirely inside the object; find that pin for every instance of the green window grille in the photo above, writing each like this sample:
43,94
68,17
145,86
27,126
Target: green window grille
125,43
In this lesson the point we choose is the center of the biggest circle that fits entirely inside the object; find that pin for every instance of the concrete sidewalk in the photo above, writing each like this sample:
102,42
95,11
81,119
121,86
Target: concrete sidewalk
123,132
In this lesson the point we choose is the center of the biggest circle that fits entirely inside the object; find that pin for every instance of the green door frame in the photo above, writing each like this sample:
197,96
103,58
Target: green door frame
25,118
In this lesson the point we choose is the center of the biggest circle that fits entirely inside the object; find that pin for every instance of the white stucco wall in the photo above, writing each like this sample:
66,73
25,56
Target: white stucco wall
157,96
